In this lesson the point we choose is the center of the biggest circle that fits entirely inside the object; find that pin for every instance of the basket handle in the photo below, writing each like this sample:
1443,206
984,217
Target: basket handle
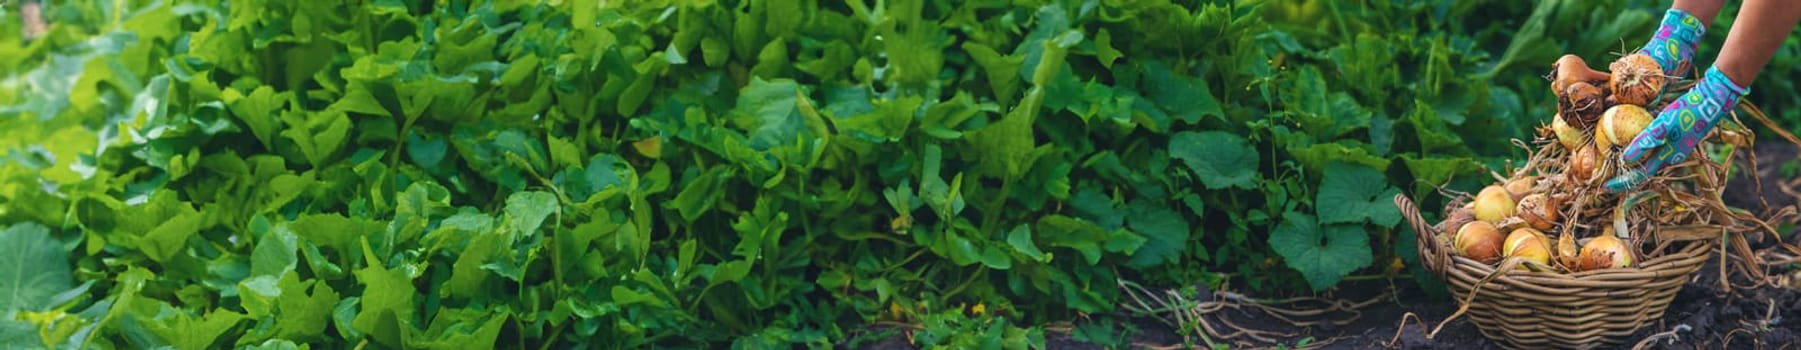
1433,254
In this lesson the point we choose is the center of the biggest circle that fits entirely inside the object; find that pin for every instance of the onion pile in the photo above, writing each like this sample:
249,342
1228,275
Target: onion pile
1553,215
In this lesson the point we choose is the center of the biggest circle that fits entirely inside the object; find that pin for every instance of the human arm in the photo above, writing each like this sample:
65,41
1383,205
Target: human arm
1760,29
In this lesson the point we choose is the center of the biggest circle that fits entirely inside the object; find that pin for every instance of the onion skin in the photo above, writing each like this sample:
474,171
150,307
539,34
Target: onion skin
1494,204
1621,124
1571,69
1528,244
1636,79
1583,164
1479,241
1581,105
1567,252
1520,187
1605,252
1538,211
1455,220
1568,135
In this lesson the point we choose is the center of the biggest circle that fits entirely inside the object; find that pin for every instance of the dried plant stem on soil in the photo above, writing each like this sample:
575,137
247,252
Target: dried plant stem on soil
1670,336
1206,316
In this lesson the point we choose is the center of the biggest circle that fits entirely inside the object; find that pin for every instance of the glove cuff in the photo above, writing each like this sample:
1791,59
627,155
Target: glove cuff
1675,41
1720,89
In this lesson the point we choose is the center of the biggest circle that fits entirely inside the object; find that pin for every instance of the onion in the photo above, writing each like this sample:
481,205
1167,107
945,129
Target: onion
1569,136
1581,105
1636,80
1528,244
1518,188
1621,124
1494,204
1538,210
1571,69
1480,241
1583,164
1455,220
1605,251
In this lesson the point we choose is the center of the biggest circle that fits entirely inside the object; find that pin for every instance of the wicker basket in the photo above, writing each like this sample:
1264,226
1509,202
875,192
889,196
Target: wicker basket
1536,310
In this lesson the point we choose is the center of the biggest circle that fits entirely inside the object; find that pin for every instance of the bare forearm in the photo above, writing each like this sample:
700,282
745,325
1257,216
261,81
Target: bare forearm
1705,10
1759,31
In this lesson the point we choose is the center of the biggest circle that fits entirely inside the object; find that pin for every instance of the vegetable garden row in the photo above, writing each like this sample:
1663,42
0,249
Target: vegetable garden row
747,174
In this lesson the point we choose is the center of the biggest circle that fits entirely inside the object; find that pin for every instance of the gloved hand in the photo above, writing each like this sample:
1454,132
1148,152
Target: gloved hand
1673,46
1678,129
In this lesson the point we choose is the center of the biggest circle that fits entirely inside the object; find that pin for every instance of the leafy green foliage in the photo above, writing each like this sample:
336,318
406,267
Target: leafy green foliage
36,269
732,173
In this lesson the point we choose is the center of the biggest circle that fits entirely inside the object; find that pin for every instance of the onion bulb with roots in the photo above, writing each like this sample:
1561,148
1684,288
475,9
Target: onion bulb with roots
1581,105
1605,252
1494,204
1479,241
1569,136
1571,69
1538,210
1621,124
1528,244
1636,79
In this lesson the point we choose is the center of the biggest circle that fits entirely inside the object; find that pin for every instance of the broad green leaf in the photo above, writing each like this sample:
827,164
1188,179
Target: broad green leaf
1218,159
1165,232
1020,238
460,329
526,210
33,268
166,240
332,230
1078,234
387,303
1002,70
770,110
1323,254
1183,96
275,253
258,295
467,274
303,314
698,196
258,111
730,271
1089,203
318,134
1354,194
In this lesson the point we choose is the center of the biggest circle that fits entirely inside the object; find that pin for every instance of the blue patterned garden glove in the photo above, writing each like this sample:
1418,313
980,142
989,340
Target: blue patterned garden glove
1678,129
1674,43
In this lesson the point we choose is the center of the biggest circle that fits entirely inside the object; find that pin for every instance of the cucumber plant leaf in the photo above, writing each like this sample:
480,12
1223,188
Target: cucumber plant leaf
1321,253
1356,194
1219,159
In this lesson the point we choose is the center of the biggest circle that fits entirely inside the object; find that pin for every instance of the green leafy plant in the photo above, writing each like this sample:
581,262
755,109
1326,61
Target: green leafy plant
725,173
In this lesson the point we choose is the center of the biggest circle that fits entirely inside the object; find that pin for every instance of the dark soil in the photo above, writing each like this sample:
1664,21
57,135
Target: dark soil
1702,316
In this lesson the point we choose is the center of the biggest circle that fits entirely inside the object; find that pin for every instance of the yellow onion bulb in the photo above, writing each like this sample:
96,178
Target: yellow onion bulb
1494,204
